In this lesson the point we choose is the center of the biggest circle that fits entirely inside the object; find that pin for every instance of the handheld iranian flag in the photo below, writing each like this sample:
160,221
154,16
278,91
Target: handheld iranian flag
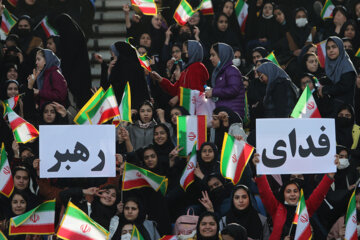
23,131
81,117
169,237
6,179
327,10
272,58
144,61
206,7
188,99
147,7
187,176
40,220
321,52
183,12
137,177
302,219
106,109
48,29
7,21
13,2
235,155
76,224
125,107
306,106
357,54
190,129
12,102
351,220
135,234
241,10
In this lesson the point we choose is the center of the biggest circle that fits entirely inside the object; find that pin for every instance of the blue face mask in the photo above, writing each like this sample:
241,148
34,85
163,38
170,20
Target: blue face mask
218,64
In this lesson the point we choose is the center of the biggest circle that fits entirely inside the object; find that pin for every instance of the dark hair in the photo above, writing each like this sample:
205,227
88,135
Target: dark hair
215,46
20,168
117,192
306,57
283,187
201,217
162,125
236,231
342,9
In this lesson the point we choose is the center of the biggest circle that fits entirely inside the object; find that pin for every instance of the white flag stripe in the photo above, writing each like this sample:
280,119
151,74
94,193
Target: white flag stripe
109,103
3,177
45,217
191,125
237,149
131,175
73,224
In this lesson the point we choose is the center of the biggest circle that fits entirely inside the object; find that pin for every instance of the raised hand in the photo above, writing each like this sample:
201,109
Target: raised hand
206,202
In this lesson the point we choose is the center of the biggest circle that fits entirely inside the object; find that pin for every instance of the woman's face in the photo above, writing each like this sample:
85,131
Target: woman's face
156,22
241,199
300,14
12,74
215,122
208,227
263,78
268,10
127,228
21,179
150,158
332,50
40,61
30,2
279,16
222,23
312,50
306,81
207,153
357,10
145,40
228,8
50,44
49,114
256,56
146,113
18,204
312,64
345,113
131,211
108,197
160,136
176,53
339,18
214,58
349,31
12,90
291,194
194,19
174,113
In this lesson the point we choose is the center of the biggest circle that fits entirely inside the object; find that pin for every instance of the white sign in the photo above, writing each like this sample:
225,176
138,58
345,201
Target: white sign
295,146
69,151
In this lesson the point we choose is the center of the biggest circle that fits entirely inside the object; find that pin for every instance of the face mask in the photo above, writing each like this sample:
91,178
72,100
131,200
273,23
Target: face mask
301,22
126,236
184,36
218,194
343,122
343,163
236,62
184,57
218,64
267,17
23,32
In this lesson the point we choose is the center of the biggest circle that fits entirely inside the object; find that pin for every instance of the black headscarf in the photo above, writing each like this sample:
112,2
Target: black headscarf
207,214
163,150
300,34
209,167
236,231
344,126
4,86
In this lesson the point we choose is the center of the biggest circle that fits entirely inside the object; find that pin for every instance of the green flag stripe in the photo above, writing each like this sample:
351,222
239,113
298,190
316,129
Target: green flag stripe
227,152
125,103
351,208
239,7
109,93
301,103
3,156
45,207
156,178
186,97
76,213
81,117
181,125
186,7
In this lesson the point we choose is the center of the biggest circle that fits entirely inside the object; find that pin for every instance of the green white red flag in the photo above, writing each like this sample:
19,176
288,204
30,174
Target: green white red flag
272,58
76,224
169,237
327,10
137,177
190,129
187,176
6,179
188,99
306,106
183,12
144,61
48,29
351,220
40,220
23,131
235,155
147,7
2,236
241,10
321,52
82,118
105,109
206,7
302,219
7,21
125,107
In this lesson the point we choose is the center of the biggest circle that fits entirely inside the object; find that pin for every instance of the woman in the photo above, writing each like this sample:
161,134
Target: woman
282,211
243,213
234,231
333,25
350,30
228,88
221,32
347,132
311,64
123,231
53,43
162,144
281,93
207,227
10,88
341,72
51,84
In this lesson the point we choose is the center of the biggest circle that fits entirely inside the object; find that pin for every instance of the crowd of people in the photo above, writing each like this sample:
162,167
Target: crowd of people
212,54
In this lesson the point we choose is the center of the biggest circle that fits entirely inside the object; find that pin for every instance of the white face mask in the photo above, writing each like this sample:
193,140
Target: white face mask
126,236
301,22
344,163
237,62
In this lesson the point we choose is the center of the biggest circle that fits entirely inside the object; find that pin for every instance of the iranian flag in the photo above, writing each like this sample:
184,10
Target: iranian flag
241,10
206,7
48,29
183,12
190,129
321,52
187,176
125,107
137,177
235,155
7,21
105,109
147,7
188,99
302,219
23,131
81,117
6,179
135,234
272,58
13,2
40,220
327,10
306,106
351,220
357,54
169,237
12,102
144,61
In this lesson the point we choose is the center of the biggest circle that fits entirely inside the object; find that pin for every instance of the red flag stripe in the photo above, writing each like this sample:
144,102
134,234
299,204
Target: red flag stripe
316,114
68,234
207,11
201,131
16,122
43,228
307,234
9,187
189,179
244,157
108,114
321,55
135,183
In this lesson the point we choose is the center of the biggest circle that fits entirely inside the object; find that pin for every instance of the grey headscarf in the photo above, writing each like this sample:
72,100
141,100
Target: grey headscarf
226,54
274,74
342,64
51,60
195,51
114,50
